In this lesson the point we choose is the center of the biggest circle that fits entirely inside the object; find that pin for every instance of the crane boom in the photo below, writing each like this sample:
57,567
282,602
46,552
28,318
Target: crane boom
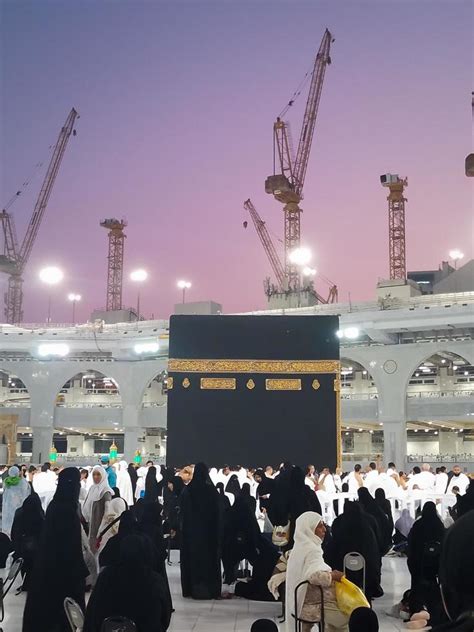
14,260
267,242
45,192
309,121
9,233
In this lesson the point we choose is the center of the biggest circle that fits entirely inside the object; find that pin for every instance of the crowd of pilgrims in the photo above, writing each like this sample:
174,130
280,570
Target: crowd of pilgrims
109,531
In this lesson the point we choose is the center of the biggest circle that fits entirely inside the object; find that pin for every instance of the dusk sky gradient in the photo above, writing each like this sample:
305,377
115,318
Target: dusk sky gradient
177,101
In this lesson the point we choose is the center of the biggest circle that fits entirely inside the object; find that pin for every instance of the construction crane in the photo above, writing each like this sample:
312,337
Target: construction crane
287,185
115,262
267,243
396,224
15,257
275,261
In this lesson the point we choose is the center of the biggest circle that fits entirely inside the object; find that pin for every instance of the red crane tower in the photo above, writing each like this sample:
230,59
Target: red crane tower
396,224
287,185
115,262
15,258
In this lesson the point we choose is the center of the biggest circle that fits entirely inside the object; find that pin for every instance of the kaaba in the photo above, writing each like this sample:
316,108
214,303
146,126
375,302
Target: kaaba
254,390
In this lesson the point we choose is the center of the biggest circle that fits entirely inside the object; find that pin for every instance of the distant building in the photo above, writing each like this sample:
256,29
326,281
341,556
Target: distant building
201,308
446,279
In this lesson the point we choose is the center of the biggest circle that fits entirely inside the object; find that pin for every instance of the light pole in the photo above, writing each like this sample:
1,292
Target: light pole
139,276
51,275
184,285
456,255
74,298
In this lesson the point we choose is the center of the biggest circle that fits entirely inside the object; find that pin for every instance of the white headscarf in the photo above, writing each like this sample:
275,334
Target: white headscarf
159,475
306,558
114,509
213,475
124,483
96,492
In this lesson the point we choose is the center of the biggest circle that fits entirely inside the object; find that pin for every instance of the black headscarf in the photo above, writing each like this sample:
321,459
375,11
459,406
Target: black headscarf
132,471
233,485
466,503
201,481
32,514
69,486
384,528
264,625
363,620
266,485
152,489
128,525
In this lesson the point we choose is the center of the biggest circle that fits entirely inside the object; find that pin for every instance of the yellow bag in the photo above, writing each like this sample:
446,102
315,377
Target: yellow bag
349,597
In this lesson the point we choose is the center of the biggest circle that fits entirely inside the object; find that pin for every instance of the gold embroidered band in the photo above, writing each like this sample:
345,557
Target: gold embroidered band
218,383
283,385
254,366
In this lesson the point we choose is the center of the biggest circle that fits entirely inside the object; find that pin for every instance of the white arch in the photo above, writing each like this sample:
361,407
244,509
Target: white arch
423,357
353,356
25,378
85,370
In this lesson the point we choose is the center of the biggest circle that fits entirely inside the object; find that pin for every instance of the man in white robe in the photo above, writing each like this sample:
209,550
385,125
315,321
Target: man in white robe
442,481
371,476
458,479
425,480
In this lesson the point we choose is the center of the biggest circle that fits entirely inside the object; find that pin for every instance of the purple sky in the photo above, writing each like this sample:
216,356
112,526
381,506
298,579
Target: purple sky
177,101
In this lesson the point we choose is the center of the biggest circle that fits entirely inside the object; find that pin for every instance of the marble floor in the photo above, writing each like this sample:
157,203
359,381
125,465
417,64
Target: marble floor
237,615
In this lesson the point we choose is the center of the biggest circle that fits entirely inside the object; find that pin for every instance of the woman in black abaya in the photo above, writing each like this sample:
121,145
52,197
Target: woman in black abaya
128,525
59,557
291,497
145,602
383,530
201,535
455,575
386,507
132,470
233,486
264,489
26,534
152,488
151,525
425,542
351,532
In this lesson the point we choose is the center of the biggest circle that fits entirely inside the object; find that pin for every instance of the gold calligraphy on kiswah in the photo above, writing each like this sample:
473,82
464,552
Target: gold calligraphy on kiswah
218,383
283,385
290,367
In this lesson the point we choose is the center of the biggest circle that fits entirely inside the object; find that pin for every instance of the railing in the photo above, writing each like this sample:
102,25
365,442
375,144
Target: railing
440,458
15,404
359,396
437,394
89,405
153,404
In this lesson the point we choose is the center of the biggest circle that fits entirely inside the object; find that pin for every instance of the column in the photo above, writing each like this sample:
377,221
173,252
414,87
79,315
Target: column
75,445
131,442
450,442
392,413
88,447
362,443
132,430
152,445
42,444
395,442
